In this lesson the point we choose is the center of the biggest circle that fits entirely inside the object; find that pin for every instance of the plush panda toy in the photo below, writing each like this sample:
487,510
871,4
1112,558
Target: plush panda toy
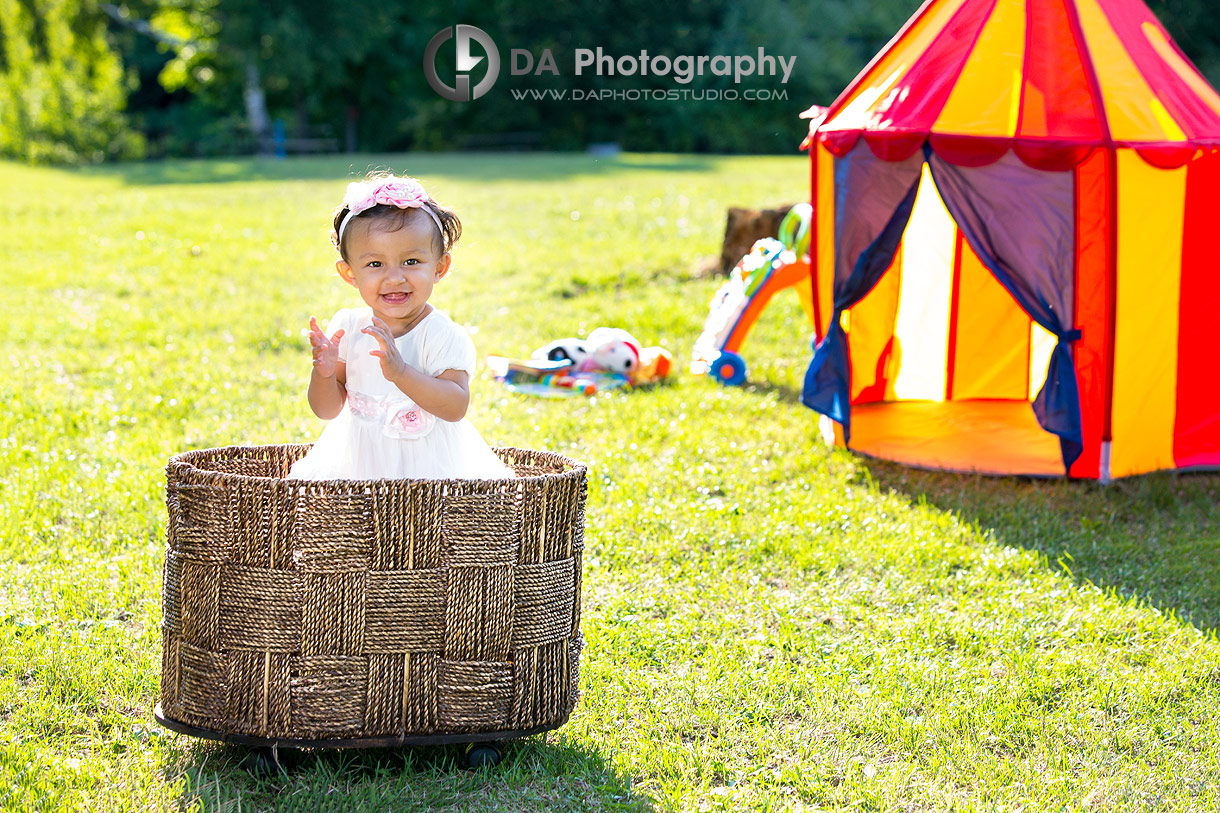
611,350
607,349
572,350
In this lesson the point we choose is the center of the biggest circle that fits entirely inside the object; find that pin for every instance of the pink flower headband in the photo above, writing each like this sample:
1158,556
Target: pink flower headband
404,193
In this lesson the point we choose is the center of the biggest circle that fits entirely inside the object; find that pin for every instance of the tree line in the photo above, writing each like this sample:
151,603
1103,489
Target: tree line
88,81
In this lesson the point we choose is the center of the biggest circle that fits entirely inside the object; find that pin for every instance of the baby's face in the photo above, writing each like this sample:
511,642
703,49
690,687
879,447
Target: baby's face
394,271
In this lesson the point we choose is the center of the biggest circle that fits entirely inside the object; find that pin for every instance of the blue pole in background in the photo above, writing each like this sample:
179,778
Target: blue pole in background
279,138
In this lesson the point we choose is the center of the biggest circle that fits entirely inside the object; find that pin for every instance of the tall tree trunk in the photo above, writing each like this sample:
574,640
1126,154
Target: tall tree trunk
256,106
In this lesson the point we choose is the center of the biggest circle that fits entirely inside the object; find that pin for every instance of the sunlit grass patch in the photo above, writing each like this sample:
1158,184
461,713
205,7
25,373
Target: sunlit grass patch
769,624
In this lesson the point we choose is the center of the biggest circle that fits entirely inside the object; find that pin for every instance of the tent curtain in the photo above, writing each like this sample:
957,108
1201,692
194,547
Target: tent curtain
1021,224
874,199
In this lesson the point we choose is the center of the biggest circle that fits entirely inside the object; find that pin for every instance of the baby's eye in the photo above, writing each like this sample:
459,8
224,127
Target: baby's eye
374,264
411,261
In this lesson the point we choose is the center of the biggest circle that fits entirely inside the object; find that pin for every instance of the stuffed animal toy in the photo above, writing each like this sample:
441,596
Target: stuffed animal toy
610,350
607,350
655,365
571,349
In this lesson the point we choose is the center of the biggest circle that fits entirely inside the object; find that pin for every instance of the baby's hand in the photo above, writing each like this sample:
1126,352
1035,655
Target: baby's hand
392,365
325,351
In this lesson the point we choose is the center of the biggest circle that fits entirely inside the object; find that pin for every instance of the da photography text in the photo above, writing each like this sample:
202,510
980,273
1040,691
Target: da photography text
684,68
476,68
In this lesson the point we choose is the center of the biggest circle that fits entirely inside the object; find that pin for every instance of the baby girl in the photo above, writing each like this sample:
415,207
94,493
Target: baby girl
393,378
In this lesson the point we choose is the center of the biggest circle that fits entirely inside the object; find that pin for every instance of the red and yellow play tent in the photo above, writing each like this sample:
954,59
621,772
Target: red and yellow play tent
1015,257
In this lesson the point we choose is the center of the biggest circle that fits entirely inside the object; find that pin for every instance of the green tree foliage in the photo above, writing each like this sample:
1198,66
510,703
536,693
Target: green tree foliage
196,73
62,88
831,40
318,65
1195,26
355,70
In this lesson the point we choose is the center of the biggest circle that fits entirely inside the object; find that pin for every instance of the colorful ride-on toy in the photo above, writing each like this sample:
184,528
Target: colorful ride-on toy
771,266
728,368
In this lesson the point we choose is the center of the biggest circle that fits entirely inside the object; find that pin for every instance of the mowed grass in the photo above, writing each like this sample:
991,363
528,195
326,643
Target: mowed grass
770,624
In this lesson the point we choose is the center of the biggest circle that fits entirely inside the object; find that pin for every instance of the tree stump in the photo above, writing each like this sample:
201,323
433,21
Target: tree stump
741,229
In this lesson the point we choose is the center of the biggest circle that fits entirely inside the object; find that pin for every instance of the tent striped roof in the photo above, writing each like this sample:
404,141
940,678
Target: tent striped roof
1049,79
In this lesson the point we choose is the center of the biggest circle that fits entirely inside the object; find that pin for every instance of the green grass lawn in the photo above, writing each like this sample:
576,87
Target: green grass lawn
770,624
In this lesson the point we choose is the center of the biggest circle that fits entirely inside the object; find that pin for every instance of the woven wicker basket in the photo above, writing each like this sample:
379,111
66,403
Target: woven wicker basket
376,612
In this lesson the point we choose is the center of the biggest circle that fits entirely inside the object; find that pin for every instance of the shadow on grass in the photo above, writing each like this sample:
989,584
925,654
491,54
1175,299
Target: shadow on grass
784,393
534,774
490,167
1155,538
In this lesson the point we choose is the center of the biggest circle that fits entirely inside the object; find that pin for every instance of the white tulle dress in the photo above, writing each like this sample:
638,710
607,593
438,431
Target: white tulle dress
381,433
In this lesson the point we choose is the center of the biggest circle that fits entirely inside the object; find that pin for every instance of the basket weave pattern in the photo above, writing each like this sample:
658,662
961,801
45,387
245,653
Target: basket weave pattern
361,609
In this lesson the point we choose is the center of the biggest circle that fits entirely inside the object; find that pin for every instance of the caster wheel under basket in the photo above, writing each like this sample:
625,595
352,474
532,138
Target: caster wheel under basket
264,762
483,755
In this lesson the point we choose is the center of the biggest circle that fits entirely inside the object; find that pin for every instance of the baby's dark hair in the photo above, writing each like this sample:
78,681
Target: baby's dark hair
392,218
